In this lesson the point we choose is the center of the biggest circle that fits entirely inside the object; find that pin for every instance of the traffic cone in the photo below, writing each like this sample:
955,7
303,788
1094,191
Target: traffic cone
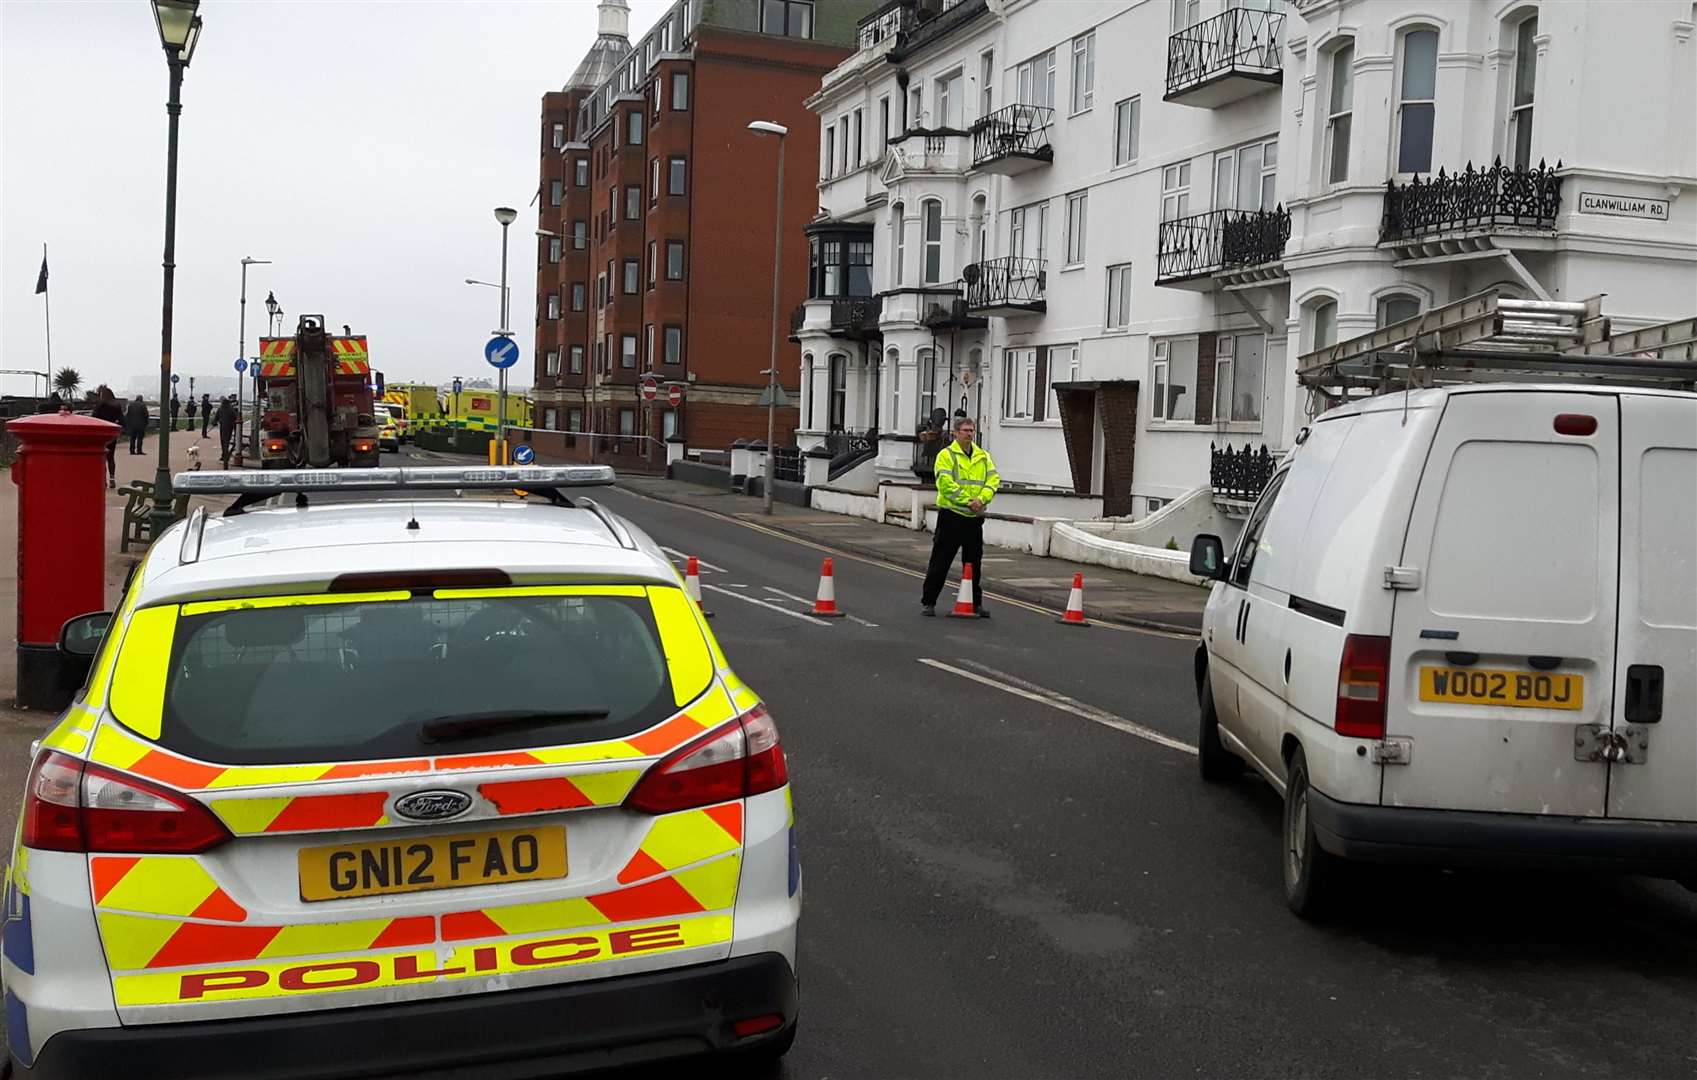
1075,604
692,584
825,603
963,601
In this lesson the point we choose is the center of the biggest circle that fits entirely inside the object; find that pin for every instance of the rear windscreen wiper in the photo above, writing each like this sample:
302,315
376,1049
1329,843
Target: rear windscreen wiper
471,725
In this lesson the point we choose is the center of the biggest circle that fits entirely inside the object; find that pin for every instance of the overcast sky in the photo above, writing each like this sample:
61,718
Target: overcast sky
361,146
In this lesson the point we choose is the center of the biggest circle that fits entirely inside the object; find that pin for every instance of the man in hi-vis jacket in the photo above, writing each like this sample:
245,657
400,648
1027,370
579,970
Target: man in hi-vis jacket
966,482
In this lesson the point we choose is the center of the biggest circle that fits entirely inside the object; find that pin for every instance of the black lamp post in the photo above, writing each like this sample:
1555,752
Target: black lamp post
179,31
274,328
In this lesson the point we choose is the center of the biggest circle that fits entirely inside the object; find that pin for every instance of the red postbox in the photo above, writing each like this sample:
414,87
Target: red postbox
61,476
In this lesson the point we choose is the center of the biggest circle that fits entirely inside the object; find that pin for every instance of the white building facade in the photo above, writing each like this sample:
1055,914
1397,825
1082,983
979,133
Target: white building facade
1106,229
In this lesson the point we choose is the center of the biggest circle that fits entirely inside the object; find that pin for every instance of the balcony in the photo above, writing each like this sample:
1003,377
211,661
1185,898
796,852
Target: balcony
1012,140
1005,286
1197,252
1226,58
852,317
935,152
889,22
1473,202
1239,476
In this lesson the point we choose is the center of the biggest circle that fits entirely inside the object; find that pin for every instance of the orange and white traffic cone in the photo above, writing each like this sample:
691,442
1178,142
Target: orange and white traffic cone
692,584
825,602
963,608
1075,604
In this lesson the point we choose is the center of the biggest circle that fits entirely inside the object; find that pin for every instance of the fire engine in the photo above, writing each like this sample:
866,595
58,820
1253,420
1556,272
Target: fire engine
316,390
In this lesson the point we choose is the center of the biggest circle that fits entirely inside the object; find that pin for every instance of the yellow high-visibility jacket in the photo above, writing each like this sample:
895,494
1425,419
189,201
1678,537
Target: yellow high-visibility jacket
963,477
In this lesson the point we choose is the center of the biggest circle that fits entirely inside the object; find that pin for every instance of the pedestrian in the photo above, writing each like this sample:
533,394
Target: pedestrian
51,405
191,413
106,408
135,423
175,406
966,482
205,413
226,429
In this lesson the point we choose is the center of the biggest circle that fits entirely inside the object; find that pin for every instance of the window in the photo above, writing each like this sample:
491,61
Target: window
1061,368
580,175
1238,363
883,125
600,290
576,360
553,305
633,202
859,135
653,181
1126,124
551,362
653,261
633,274
949,103
1416,112
828,257
1342,97
917,110
1035,80
1019,383
1396,308
1083,72
986,84
627,422
1249,543
827,170
1119,297
574,421
843,144
1075,228
837,413
1027,227
1324,324
1174,379
898,232
580,235
932,212
556,191
1244,178
648,347
1175,191
927,383
633,133
1186,13
790,18
1150,505
680,91
612,207
674,345
559,135
613,131
675,176
674,260
1525,79
669,424
627,350
980,229
577,295
892,364
860,268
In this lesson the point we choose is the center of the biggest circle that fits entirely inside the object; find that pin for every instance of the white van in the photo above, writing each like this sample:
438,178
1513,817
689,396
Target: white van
1460,627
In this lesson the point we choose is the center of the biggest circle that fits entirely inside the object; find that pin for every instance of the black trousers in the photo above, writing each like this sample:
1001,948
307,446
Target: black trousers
111,462
136,438
955,533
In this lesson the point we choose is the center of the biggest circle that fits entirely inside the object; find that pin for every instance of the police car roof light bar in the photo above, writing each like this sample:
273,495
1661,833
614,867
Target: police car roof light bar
251,488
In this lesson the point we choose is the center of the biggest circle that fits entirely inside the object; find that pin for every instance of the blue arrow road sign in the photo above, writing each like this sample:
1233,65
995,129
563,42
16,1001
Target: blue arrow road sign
501,352
241,366
523,454
174,378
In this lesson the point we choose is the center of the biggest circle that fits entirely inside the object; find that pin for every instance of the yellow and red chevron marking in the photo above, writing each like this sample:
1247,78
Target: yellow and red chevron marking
350,348
547,793
709,886
676,840
302,813
160,885
134,942
276,369
276,348
352,367
116,747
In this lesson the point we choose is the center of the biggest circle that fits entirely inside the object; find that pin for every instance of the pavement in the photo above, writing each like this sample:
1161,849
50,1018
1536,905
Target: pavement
1109,595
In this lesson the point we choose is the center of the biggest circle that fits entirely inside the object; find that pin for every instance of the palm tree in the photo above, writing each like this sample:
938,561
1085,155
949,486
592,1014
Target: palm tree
66,382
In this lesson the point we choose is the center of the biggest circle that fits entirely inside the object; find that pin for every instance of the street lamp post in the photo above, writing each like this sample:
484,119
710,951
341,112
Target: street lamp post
241,348
506,215
179,31
767,127
273,328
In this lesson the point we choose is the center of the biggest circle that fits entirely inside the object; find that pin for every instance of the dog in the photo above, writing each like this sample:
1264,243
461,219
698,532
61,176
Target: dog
194,458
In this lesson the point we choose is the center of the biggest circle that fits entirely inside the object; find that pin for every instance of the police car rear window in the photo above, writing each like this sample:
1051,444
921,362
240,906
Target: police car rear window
390,678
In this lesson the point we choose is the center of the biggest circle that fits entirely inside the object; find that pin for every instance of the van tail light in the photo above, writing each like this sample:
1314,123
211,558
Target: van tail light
733,761
71,805
1364,677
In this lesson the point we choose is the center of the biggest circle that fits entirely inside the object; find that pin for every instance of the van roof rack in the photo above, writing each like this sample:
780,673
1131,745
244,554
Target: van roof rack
1492,338
256,486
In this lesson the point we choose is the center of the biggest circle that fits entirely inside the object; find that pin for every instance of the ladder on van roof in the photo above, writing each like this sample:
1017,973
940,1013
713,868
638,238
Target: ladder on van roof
1492,338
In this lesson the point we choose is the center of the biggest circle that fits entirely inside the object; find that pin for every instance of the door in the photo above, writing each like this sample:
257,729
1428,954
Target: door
1506,646
1245,619
1656,658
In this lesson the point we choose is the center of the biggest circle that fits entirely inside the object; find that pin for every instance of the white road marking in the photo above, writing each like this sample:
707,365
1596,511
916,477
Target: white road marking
703,563
809,603
1033,692
768,605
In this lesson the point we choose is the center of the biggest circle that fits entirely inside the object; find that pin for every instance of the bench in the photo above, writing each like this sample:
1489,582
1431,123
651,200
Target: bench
138,514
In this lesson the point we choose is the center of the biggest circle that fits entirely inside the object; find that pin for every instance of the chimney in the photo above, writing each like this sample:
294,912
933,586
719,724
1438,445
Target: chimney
615,18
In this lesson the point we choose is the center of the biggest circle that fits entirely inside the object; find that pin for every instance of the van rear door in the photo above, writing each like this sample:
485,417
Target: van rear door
1507,645
1656,662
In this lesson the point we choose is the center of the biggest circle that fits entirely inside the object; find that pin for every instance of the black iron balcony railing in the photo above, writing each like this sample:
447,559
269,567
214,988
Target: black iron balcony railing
892,19
1004,282
1220,240
786,464
1011,130
1502,196
1240,474
1238,40
856,314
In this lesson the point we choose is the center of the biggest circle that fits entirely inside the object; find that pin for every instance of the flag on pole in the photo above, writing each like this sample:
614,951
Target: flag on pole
41,281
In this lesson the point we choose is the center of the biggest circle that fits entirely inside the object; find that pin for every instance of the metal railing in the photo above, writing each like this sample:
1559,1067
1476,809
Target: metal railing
1219,240
1006,281
1240,474
849,448
786,464
1237,39
1498,197
857,314
1011,130
892,20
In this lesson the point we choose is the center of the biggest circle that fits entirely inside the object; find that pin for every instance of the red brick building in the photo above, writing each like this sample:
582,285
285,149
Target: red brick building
657,209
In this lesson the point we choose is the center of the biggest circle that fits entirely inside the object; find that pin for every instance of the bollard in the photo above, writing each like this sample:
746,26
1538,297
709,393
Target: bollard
61,476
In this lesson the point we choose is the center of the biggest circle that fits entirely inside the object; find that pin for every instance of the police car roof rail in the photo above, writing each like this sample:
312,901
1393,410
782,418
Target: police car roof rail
250,486
620,533
192,536
1489,337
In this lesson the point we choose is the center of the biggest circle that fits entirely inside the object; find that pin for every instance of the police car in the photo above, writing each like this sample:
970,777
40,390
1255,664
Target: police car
401,787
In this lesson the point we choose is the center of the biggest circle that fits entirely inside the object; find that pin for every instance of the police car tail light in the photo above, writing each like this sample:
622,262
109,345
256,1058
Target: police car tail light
733,761
1363,686
73,806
